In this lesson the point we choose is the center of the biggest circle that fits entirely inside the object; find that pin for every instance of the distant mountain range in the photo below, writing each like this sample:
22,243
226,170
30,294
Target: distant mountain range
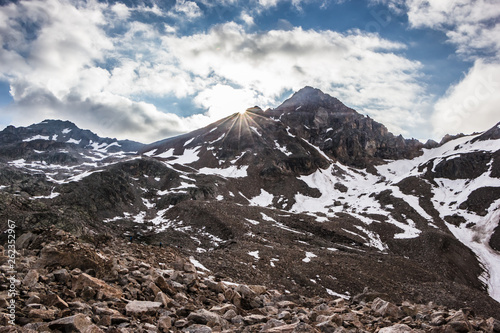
311,197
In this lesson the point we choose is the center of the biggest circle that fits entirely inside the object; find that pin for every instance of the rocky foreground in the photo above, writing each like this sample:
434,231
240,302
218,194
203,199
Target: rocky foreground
67,284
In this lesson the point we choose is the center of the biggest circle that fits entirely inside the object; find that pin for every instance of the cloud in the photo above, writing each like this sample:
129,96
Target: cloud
472,105
473,26
78,65
361,69
106,114
245,17
187,8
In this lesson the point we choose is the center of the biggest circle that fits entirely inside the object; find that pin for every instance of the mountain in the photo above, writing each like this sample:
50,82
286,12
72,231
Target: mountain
341,132
310,198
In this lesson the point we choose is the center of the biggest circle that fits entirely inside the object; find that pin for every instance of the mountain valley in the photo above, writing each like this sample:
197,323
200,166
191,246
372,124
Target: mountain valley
309,198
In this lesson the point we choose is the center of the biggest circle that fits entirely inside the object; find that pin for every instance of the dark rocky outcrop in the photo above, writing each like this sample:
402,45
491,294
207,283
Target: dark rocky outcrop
341,132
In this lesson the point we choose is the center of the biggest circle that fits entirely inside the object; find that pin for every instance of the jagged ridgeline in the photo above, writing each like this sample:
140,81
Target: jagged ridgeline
310,198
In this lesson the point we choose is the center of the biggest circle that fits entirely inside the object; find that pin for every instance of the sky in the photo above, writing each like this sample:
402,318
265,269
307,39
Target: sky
150,69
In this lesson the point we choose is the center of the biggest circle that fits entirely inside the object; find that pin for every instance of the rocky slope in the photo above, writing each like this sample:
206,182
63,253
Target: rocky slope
67,285
341,132
259,197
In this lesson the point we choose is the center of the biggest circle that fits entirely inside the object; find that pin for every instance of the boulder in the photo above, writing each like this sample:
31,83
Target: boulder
31,279
386,309
76,323
398,328
54,300
164,324
204,317
136,308
197,329
61,275
254,319
84,280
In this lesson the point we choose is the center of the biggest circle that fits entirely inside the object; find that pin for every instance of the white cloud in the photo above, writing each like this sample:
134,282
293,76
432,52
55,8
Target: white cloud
121,10
472,105
188,8
245,17
361,69
60,72
472,25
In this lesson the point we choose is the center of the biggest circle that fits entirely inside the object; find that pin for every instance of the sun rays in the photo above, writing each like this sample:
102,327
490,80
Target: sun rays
240,127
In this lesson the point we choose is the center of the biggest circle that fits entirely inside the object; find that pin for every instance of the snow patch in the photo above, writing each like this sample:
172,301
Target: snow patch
264,199
76,142
309,256
197,264
230,172
37,137
282,149
256,131
189,156
166,154
332,293
188,141
252,221
254,254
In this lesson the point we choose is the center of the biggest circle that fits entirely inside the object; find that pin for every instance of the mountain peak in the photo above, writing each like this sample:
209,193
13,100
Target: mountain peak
309,96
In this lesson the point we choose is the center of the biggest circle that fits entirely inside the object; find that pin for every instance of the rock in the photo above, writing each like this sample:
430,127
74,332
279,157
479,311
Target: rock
259,290
61,275
222,309
286,304
54,300
327,327
42,314
136,308
31,279
164,286
197,329
84,280
33,299
254,319
93,329
459,326
386,309
204,317
164,299
493,324
189,267
229,315
245,291
24,241
292,328
76,323
398,328
164,323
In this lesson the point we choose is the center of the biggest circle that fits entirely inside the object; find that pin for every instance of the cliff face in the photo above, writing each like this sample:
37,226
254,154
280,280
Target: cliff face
341,132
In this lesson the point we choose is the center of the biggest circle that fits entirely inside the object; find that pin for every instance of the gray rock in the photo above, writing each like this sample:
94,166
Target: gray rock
61,275
136,308
254,319
398,328
197,329
386,309
204,317
31,279
76,323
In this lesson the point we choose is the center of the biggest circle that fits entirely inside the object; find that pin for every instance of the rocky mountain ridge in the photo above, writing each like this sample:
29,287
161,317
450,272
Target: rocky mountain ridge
257,197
